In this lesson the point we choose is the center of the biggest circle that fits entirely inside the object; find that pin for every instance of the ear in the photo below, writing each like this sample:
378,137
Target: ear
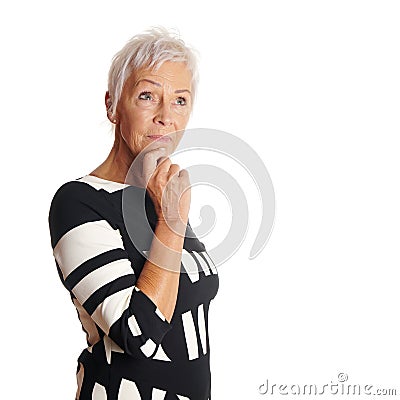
108,103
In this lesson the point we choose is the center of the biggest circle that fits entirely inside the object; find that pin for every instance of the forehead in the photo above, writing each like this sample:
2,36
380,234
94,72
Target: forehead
170,73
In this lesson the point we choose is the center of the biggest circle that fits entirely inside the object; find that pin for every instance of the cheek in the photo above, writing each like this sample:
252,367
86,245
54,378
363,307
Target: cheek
182,117
182,111
135,121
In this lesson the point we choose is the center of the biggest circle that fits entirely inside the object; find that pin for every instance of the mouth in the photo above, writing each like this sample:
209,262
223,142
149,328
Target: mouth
160,138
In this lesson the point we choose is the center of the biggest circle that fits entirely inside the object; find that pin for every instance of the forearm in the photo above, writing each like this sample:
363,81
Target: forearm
159,278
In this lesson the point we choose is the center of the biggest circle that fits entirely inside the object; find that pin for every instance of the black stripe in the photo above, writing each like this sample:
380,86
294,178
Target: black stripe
207,263
123,282
199,269
91,265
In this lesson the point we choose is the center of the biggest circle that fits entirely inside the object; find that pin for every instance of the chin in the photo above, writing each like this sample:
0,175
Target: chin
151,144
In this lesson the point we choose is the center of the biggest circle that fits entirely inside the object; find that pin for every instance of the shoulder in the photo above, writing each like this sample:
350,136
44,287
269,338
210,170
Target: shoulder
75,203
73,190
73,195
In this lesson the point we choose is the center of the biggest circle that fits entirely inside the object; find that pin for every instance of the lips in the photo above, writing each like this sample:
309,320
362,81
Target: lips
161,138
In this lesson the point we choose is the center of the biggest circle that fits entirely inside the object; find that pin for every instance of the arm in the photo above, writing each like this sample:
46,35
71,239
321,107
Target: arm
158,283
169,189
95,267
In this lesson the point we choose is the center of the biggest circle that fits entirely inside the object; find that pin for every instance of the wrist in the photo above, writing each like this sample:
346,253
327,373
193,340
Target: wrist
175,227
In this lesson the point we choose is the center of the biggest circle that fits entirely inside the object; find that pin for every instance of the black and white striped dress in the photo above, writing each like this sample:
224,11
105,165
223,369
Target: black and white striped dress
133,351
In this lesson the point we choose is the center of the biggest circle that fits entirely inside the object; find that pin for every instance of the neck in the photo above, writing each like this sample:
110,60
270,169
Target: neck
117,164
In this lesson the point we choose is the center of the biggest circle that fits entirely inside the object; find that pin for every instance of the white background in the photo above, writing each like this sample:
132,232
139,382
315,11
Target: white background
313,87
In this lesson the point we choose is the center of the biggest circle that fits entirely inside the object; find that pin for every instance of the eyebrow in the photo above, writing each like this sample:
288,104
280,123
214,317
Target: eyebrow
157,84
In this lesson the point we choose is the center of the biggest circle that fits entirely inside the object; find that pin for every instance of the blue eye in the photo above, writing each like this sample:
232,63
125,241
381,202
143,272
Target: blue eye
145,96
181,101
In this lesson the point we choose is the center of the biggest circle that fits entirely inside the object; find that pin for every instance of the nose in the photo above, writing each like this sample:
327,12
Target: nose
163,115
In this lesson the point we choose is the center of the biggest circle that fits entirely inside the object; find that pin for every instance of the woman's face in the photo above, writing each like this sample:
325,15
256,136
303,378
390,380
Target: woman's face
155,103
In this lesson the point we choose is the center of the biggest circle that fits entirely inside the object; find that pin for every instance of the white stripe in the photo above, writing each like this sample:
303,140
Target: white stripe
107,348
190,335
99,183
111,309
158,394
148,348
99,392
203,264
210,261
134,326
110,346
202,327
190,266
180,397
116,348
128,390
85,242
160,314
160,354
100,277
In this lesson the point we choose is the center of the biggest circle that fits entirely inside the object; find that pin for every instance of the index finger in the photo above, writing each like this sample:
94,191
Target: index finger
150,160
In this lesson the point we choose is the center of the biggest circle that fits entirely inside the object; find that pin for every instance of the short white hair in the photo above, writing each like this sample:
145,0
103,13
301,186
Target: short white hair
149,50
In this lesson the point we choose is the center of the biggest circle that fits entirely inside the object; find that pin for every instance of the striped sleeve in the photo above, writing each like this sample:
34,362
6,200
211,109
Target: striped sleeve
94,265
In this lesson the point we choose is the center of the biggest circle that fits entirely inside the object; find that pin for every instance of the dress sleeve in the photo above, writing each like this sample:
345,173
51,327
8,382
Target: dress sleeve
94,266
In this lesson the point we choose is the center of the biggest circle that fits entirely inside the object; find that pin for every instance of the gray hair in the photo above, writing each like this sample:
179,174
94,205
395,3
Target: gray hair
149,50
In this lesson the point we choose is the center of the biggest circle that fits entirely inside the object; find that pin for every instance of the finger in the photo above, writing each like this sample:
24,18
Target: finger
184,174
163,165
184,179
162,159
174,169
173,174
150,160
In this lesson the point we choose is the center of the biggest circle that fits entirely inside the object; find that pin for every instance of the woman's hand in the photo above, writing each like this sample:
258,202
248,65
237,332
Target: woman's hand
169,188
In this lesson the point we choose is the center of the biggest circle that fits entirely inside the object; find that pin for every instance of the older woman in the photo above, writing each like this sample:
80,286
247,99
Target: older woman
142,300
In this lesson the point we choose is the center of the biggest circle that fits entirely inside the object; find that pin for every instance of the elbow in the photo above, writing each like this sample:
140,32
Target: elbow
136,341
140,328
